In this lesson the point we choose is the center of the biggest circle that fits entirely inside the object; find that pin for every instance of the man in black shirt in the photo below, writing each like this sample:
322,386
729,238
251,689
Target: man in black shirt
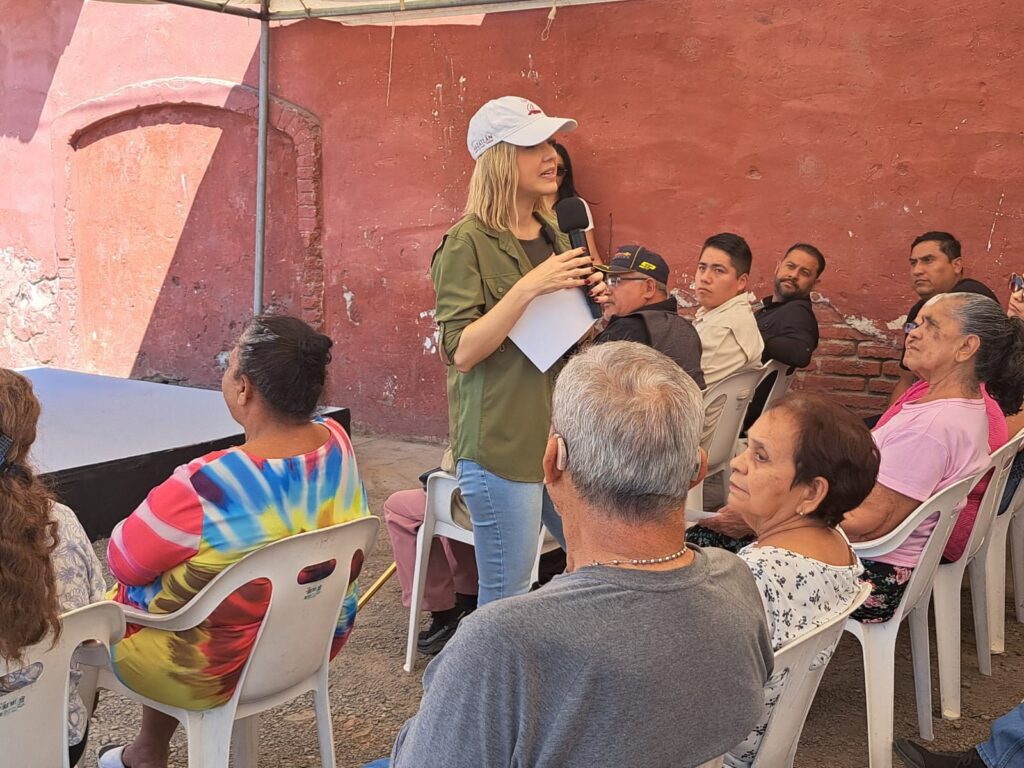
642,311
936,266
786,321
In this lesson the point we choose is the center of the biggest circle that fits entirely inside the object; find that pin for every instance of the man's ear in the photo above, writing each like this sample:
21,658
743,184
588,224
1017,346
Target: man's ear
702,468
552,470
958,264
650,288
742,283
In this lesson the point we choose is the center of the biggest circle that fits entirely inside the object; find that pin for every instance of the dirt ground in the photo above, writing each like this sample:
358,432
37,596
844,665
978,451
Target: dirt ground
372,696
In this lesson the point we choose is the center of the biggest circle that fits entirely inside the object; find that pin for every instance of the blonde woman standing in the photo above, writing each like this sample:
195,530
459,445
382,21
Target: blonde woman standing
500,256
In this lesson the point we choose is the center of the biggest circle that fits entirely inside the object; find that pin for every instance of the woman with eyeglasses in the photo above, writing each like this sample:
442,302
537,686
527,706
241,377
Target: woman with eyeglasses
968,356
500,256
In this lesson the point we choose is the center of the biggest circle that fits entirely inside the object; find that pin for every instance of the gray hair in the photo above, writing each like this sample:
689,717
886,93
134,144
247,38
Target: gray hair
631,419
999,361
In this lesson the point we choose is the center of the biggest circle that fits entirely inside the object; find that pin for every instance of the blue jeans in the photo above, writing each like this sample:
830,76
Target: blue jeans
506,523
1005,747
1016,474
384,762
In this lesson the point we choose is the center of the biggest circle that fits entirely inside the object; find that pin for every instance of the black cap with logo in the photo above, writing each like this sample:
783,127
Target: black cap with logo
636,258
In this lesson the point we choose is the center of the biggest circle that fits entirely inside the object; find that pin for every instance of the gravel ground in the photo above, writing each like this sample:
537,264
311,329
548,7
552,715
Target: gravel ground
372,696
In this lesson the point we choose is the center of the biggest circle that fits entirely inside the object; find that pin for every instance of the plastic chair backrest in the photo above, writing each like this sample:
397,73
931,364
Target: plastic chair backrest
295,636
733,393
34,718
947,504
798,660
1000,465
780,386
441,487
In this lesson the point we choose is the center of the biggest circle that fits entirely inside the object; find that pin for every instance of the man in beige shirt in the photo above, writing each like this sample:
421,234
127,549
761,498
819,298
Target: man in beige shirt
725,321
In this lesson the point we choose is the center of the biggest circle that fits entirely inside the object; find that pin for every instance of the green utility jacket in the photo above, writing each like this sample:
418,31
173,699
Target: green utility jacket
499,413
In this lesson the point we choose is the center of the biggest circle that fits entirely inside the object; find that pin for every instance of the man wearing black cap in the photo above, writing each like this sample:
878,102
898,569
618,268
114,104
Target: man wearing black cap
643,311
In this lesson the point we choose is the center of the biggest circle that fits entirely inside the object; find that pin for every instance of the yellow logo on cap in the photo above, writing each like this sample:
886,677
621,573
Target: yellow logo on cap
648,266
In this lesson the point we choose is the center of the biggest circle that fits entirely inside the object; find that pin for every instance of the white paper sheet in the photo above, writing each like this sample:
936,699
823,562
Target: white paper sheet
550,325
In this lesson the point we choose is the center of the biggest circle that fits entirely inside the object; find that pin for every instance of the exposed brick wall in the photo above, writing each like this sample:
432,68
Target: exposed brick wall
856,369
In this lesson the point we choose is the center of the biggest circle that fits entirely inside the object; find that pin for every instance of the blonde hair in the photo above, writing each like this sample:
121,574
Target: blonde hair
492,189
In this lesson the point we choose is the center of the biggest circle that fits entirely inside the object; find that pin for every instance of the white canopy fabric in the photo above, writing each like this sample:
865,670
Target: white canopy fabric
362,11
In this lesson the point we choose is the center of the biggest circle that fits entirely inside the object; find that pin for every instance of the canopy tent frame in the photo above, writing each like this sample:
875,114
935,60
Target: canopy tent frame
353,12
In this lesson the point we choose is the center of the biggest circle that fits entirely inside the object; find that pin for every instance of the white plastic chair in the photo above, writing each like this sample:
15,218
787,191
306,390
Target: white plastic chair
732,396
949,578
878,641
34,718
292,649
798,659
438,521
1011,523
783,380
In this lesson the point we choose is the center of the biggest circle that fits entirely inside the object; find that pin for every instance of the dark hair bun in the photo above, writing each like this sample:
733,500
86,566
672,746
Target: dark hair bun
286,360
317,350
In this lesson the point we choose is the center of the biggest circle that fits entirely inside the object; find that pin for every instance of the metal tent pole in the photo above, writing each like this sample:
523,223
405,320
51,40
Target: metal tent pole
261,159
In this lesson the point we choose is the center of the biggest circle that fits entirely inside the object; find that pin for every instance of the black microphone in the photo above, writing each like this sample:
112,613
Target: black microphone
574,219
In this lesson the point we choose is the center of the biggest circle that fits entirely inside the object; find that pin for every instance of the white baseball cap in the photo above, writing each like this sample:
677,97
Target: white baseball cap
513,120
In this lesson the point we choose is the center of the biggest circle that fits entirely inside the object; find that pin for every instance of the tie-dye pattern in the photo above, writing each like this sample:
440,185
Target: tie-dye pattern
206,516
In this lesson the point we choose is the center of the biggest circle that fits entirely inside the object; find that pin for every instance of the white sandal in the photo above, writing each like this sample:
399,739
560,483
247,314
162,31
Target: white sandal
109,756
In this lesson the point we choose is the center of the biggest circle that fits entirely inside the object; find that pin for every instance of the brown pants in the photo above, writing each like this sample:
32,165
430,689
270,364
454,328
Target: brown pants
452,564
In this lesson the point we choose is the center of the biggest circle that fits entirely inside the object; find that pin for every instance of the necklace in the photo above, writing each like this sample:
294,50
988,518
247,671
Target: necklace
644,560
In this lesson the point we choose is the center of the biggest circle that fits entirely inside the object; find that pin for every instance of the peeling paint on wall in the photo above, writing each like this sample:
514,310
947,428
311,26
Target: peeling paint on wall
350,309
866,325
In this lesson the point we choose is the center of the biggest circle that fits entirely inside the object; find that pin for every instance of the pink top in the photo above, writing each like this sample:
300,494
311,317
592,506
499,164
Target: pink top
926,447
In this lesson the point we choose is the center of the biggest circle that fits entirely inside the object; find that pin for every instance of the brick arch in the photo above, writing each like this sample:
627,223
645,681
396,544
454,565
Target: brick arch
79,125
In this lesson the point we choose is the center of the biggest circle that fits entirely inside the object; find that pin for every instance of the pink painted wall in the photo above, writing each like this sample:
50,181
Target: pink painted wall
852,125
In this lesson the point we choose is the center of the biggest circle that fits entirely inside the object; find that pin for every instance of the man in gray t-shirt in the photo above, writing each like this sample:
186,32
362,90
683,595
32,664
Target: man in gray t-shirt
644,654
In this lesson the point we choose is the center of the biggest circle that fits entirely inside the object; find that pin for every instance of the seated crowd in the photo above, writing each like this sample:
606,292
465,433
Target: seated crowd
625,418
656,646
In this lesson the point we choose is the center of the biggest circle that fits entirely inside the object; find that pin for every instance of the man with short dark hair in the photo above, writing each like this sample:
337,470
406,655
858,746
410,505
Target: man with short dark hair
786,321
725,321
642,310
936,266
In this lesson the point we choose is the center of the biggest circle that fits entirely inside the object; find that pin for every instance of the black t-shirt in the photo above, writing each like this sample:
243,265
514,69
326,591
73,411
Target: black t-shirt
537,250
967,285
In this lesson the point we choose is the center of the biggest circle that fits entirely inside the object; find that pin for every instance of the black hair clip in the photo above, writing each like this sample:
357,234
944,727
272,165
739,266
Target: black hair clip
5,446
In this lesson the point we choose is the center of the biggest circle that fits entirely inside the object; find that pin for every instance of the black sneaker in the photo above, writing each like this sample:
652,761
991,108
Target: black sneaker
916,756
442,626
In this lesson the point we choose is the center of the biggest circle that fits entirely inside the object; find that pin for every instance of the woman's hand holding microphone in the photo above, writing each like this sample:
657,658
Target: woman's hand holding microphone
572,269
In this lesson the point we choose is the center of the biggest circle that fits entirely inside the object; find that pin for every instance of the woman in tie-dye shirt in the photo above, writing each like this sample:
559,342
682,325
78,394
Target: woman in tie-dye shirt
293,473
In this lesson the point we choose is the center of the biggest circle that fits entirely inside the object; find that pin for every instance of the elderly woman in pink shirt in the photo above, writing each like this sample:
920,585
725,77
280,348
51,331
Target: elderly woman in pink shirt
969,357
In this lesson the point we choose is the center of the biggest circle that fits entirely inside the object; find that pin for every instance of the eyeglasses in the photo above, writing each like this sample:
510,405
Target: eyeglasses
1016,283
560,171
614,280
908,327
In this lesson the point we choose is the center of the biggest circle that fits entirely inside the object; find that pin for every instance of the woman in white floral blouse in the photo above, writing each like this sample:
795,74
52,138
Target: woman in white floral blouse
807,463
47,565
